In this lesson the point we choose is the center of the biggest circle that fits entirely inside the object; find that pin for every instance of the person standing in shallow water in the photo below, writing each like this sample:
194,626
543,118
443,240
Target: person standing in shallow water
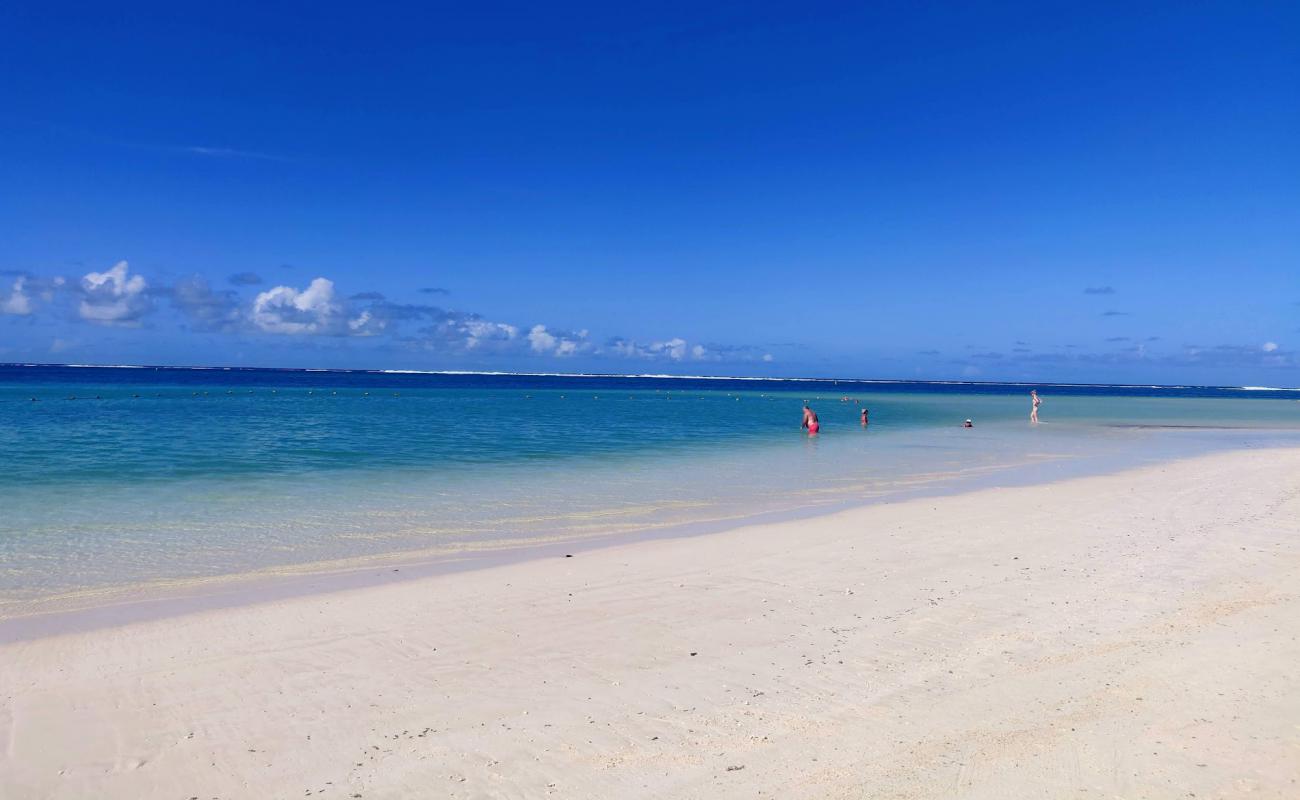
1034,402
865,421
810,421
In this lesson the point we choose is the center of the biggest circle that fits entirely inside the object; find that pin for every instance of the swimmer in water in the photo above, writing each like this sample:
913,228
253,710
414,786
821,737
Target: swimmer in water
1034,402
810,421
968,424
865,421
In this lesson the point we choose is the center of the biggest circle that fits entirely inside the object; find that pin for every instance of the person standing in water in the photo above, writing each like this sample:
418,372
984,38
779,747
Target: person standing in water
1035,401
865,421
810,421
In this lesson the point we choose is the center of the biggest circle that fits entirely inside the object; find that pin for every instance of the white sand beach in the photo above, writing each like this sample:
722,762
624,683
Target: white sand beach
1124,636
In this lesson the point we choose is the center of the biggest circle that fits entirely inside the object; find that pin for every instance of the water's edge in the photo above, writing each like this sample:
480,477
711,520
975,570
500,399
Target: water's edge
144,603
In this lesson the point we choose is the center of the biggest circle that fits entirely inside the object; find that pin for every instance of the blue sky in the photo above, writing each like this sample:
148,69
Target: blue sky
1037,191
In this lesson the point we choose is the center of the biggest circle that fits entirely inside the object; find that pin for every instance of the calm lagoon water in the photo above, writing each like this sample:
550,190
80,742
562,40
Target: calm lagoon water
116,477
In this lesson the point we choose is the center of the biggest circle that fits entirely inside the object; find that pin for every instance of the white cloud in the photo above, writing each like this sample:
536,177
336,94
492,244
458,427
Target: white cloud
1269,347
456,330
112,298
367,324
540,340
287,310
566,347
480,331
17,302
557,343
118,297
674,349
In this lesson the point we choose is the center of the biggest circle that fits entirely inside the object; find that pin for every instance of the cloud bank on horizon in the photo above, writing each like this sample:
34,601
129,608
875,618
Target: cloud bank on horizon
119,298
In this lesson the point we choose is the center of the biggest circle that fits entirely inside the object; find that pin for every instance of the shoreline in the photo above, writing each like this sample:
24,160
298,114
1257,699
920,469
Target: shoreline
129,604
114,606
1130,634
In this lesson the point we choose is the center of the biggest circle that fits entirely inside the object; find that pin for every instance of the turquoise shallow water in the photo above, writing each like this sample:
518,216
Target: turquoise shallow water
118,477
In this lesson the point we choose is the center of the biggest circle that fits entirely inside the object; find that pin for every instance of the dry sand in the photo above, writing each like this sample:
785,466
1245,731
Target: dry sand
1123,636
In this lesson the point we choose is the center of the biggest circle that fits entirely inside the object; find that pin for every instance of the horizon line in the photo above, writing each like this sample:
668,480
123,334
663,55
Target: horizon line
646,376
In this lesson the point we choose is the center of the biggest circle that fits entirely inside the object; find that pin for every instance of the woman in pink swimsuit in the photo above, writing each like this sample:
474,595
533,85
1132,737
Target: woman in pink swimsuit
810,420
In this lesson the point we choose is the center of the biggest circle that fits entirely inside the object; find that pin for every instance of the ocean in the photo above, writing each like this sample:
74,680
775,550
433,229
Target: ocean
118,479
